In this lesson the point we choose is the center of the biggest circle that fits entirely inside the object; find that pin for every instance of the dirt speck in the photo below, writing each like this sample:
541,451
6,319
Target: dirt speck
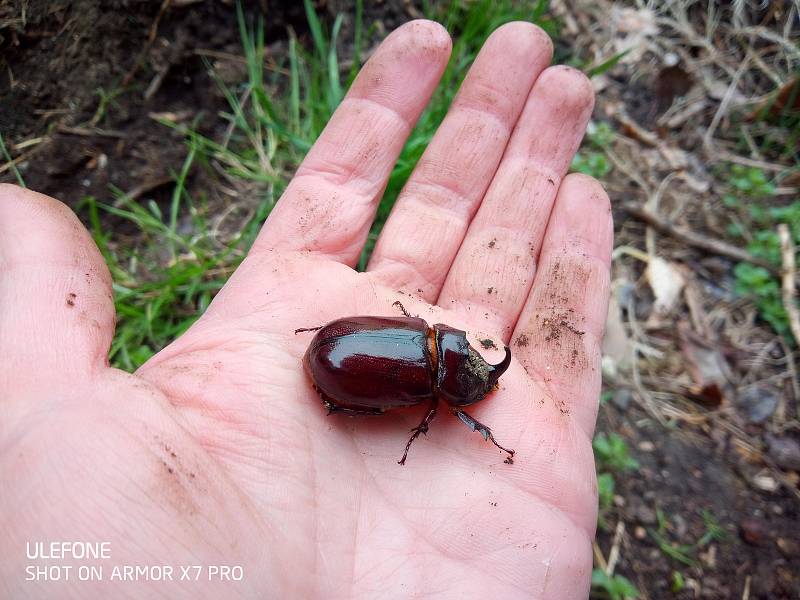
522,341
490,290
71,299
557,325
553,332
493,243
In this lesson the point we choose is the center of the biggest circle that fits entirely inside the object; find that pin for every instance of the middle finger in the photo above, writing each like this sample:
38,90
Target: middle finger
492,273
431,216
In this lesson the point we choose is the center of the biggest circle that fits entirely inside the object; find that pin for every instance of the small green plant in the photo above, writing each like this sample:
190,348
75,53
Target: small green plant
606,65
685,553
5,154
591,159
678,582
750,181
612,453
614,587
779,123
106,99
605,494
756,221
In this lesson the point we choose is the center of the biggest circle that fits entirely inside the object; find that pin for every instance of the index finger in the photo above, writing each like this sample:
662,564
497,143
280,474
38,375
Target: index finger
330,203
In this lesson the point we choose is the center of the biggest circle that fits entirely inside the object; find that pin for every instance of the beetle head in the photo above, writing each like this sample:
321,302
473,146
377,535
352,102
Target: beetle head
463,377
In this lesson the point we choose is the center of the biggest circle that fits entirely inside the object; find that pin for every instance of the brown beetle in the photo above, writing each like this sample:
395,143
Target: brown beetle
367,365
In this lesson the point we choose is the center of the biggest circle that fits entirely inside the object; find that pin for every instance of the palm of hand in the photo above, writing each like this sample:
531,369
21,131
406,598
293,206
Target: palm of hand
219,451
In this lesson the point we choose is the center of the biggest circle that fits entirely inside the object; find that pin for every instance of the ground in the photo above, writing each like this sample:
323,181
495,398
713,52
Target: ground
698,446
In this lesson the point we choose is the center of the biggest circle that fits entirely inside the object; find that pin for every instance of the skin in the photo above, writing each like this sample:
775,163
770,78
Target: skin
218,451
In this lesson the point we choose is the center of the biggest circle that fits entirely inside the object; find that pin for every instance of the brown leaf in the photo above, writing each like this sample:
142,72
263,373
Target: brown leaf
786,99
707,367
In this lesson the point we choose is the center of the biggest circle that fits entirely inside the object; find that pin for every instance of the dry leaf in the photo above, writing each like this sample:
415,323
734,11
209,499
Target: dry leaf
666,281
634,28
707,367
617,350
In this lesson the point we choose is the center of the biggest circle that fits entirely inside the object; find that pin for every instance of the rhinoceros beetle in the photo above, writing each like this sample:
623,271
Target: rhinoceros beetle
368,365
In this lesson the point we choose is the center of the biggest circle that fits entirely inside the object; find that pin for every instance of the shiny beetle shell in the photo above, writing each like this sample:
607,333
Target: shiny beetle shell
367,365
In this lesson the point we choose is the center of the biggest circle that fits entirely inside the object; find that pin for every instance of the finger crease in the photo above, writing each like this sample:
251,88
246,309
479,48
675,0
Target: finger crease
407,125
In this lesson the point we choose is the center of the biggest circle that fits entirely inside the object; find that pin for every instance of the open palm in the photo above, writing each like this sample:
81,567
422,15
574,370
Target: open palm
219,452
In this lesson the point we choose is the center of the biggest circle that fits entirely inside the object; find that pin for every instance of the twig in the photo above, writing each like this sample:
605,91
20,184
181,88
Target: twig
638,132
156,82
92,131
791,371
221,55
31,142
598,556
613,554
746,592
697,240
11,164
151,36
142,189
723,106
652,205
788,280
632,173
749,162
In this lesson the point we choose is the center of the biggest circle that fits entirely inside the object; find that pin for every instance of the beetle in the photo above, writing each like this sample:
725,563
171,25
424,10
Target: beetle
367,365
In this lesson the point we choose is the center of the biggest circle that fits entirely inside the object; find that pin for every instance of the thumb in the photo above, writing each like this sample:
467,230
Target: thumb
56,305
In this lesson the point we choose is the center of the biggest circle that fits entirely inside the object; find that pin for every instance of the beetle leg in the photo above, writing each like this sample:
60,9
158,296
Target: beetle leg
475,425
352,412
421,428
302,329
402,308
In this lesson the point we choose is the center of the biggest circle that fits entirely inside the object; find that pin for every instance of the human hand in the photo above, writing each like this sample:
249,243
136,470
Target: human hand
218,450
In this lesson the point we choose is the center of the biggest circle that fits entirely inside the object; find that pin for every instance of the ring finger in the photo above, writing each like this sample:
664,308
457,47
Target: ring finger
492,273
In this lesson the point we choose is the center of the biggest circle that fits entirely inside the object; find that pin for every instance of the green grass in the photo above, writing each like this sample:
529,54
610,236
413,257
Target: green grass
681,552
591,158
612,453
612,456
5,154
754,220
776,127
614,587
168,270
